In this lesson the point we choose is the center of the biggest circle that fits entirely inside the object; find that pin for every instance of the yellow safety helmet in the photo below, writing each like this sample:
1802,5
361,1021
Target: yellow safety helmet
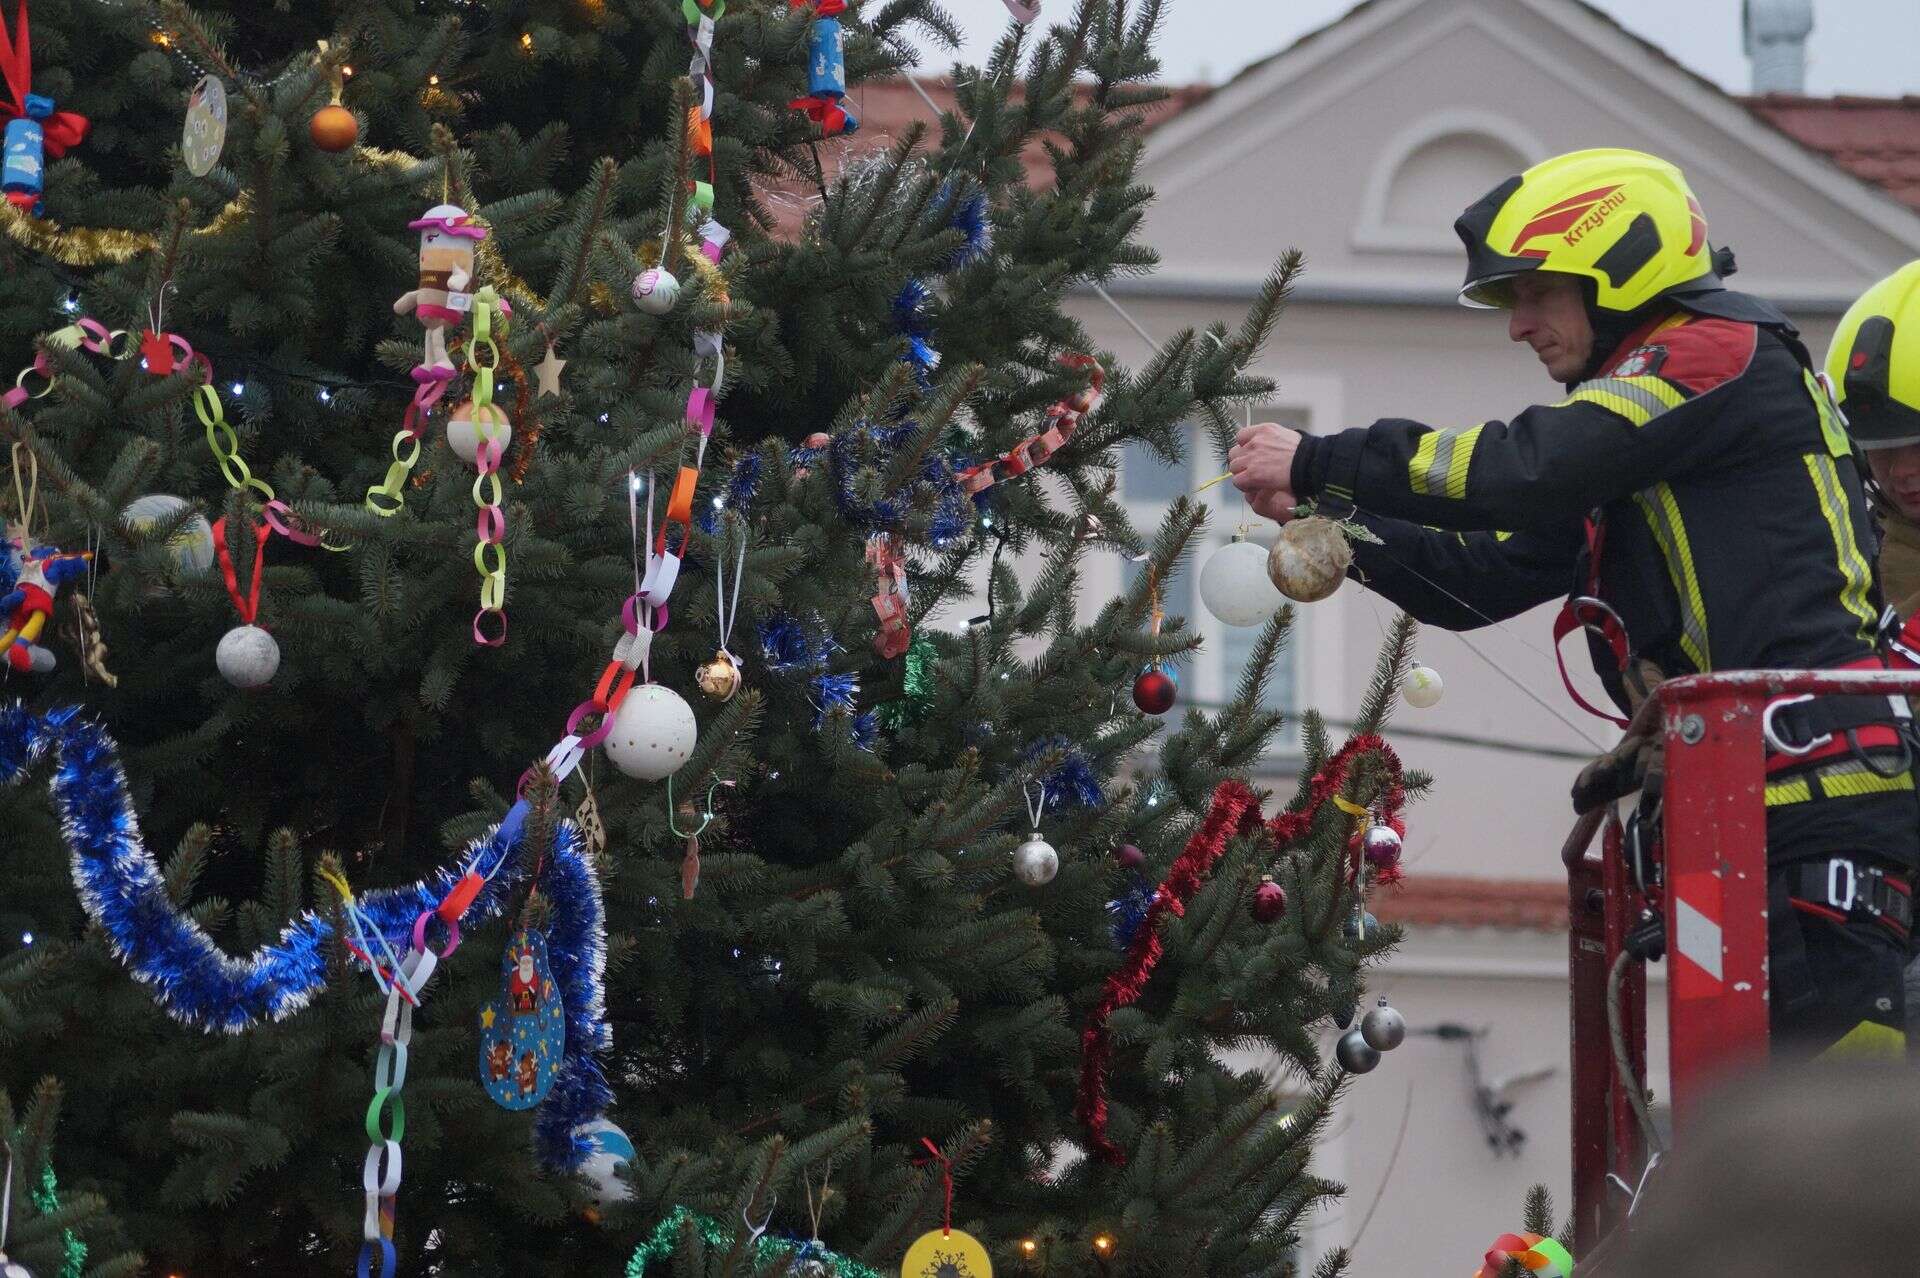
1874,362
1623,219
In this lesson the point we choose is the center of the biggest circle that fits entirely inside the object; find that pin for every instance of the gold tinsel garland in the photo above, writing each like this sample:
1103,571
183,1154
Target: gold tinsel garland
95,246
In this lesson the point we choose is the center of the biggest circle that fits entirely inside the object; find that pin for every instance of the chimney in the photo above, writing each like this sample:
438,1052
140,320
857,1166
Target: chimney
1775,35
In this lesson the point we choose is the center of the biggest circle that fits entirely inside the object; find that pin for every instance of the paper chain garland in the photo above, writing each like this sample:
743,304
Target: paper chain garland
1235,811
765,1252
125,893
1035,450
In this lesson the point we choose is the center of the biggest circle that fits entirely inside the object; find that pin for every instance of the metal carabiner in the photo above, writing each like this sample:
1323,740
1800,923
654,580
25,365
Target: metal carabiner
1834,869
1773,738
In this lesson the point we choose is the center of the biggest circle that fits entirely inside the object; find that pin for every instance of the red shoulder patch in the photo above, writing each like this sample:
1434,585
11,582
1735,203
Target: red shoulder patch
1706,352
1642,361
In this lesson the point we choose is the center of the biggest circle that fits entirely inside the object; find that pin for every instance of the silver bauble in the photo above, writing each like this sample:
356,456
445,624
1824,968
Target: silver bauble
247,657
655,290
1309,559
1355,1054
1035,862
1383,1027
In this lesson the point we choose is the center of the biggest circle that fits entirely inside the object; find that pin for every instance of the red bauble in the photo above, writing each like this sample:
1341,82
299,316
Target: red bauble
1153,692
333,128
1269,900
1129,857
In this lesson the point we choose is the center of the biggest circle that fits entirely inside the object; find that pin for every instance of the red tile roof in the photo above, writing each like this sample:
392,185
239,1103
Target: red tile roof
1875,139
1441,900
886,108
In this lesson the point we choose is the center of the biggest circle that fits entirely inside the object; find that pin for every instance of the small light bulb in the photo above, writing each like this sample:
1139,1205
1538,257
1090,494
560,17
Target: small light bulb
70,303
718,502
347,72
1103,1244
1028,1246
526,40
26,938
603,418
239,388
433,81
633,482
162,39
326,396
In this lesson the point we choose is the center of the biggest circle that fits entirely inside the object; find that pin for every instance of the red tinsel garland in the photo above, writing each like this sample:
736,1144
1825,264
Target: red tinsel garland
1235,810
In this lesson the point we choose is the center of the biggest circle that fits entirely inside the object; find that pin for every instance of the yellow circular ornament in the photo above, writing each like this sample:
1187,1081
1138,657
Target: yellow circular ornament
946,1255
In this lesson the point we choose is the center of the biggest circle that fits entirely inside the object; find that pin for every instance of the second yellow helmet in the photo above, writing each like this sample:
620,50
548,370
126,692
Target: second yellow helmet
1874,362
1624,219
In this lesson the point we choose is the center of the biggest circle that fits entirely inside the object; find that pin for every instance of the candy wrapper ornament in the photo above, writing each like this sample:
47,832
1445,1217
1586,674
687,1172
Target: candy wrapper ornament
448,235
523,1032
825,103
35,130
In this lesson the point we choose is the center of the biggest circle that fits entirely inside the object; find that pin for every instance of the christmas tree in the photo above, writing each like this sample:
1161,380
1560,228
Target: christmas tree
410,385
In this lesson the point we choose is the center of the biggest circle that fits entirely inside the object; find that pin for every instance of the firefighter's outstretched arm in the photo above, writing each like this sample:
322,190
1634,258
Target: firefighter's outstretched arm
1611,436
1461,581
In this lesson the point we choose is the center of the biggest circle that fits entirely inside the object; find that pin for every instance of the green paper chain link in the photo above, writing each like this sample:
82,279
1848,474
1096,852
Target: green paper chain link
714,1234
46,1200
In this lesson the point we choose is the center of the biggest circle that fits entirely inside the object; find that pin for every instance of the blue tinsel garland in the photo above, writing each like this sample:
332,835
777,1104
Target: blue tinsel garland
124,892
1073,782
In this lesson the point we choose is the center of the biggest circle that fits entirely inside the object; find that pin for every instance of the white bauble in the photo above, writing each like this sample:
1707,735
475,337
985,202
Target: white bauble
247,656
463,431
653,733
191,543
1309,559
1423,687
655,291
1234,585
13,1268
611,1151
1035,862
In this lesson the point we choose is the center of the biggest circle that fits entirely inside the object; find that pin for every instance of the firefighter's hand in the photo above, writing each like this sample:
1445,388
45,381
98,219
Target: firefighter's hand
1274,504
1261,460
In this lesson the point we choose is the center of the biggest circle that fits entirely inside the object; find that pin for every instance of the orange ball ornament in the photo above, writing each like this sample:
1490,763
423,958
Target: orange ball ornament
333,128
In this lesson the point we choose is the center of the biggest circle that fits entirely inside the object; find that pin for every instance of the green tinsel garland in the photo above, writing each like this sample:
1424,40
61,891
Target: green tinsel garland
46,1200
916,686
714,1234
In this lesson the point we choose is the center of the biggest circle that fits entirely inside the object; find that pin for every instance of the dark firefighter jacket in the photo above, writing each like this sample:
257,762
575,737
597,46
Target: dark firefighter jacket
1736,531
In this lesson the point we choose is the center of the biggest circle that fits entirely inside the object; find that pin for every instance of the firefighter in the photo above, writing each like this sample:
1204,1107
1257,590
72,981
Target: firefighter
1873,367
1695,498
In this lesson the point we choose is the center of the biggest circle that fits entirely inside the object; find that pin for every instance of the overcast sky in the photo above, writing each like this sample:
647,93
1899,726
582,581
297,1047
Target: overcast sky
1858,46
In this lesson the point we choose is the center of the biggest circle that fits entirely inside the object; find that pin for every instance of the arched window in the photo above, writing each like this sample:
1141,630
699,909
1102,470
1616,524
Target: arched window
1431,173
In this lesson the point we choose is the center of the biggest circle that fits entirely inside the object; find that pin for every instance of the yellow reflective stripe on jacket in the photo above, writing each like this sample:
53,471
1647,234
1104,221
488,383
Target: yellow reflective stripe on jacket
1850,779
1638,399
1832,429
1856,577
1670,531
1440,461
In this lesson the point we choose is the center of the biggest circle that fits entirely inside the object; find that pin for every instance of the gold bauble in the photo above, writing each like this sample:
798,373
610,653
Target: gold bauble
719,678
1309,559
333,128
